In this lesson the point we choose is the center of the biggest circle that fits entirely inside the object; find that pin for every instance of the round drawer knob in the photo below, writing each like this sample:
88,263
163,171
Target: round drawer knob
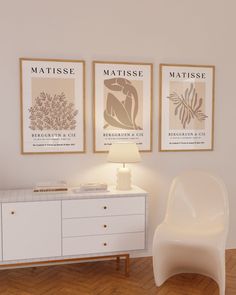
12,212
105,207
105,225
104,244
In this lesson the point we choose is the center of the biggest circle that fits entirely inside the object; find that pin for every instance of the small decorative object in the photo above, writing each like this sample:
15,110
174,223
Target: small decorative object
122,104
52,106
186,107
123,152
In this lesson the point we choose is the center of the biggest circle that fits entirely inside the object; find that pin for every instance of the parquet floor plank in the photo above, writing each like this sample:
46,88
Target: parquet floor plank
101,278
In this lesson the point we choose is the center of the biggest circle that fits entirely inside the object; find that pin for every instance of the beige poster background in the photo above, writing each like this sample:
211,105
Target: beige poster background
121,96
179,87
53,86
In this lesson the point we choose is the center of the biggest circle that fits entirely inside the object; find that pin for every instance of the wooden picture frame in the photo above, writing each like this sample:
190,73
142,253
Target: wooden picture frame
52,106
122,104
186,107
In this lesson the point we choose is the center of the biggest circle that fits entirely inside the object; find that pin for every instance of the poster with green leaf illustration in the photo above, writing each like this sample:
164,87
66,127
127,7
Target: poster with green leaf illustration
122,104
186,107
52,106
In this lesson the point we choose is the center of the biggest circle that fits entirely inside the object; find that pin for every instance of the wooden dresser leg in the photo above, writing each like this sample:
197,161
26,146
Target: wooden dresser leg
127,265
117,262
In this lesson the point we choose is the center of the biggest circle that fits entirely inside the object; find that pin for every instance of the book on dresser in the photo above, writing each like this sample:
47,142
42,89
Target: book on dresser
91,187
47,187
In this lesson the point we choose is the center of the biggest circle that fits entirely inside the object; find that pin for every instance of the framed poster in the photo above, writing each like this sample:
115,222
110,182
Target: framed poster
52,106
122,104
186,107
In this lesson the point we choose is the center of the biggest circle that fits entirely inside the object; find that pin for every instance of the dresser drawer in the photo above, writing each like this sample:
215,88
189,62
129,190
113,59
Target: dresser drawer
103,207
102,225
105,243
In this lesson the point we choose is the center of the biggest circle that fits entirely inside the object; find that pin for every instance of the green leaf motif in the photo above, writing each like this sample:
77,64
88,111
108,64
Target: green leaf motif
187,106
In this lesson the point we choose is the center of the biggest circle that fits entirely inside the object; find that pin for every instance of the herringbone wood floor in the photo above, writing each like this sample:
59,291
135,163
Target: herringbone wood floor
101,278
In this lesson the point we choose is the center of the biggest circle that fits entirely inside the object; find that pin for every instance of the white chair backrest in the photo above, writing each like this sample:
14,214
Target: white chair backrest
197,198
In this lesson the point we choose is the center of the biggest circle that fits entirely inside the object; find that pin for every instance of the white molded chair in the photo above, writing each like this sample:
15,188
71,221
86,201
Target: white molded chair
192,237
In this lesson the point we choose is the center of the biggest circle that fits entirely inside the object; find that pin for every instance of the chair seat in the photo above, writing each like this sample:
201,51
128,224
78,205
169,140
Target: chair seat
192,235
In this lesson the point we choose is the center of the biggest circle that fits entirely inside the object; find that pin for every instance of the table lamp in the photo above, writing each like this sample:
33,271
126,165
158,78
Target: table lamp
123,152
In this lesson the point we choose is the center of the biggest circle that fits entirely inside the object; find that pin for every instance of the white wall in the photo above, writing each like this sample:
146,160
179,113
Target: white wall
157,31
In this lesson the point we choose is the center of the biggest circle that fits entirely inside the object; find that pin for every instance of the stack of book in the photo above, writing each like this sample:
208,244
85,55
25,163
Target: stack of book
91,187
47,187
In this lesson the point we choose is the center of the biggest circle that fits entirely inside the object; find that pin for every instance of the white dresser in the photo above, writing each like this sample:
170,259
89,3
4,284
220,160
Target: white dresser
50,227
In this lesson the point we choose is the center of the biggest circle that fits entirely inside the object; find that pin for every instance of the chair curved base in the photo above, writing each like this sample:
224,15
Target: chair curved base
173,259
160,282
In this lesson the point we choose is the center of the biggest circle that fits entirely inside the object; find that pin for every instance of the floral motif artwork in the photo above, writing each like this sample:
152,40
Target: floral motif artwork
52,99
186,107
122,104
52,112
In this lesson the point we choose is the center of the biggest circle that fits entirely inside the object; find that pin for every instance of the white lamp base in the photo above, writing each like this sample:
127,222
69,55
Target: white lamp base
123,179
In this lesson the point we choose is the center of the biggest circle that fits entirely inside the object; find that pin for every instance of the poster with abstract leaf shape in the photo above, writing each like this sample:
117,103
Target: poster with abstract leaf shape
186,107
52,106
122,104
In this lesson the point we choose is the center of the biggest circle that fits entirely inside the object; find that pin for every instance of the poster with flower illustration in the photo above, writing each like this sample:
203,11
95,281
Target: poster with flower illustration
52,106
122,104
186,107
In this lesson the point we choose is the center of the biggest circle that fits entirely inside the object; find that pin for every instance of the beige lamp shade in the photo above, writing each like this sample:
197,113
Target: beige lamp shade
124,152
